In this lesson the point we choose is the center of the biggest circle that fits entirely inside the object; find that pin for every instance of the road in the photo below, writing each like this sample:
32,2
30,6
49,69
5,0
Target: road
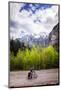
45,77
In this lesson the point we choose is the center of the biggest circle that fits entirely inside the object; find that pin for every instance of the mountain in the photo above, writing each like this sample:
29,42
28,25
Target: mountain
54,36
37,39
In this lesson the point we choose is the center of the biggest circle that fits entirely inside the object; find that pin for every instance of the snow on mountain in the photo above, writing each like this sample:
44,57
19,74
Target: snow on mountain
38,39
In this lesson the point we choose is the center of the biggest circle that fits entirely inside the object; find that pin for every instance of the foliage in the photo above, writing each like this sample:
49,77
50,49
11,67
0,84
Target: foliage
37,57
15,45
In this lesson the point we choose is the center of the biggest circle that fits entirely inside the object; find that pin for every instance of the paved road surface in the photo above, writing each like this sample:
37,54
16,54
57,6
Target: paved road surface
45,77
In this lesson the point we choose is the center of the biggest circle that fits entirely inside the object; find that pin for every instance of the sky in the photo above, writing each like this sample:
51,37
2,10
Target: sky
32,19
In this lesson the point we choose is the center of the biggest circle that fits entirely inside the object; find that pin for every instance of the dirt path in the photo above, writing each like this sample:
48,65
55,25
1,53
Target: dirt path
45,77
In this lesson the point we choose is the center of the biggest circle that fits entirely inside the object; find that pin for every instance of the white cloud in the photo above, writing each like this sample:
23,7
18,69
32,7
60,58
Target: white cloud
25,19
14,9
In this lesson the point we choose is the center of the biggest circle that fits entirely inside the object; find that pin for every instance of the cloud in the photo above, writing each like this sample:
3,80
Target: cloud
43,20
14,9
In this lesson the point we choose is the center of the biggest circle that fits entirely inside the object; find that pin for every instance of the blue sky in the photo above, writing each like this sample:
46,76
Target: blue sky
33,7
32,18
